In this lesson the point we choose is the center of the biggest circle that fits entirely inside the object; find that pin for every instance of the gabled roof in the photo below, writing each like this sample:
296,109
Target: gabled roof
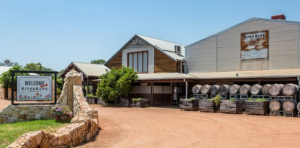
245,22
164,46
88,69
4,69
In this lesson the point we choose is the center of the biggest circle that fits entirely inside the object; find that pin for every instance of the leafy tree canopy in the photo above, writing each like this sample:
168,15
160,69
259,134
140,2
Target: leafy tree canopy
100,61
8,63
5,78
36,67
116,83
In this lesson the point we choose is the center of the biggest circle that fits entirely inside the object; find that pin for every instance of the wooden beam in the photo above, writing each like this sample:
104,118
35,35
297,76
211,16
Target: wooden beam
248,80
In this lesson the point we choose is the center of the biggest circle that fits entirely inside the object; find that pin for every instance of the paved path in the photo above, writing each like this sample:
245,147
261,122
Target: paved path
164,128
4,103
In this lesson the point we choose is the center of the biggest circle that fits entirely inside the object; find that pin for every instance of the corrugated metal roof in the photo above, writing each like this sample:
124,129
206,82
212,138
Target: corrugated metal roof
166,47
88,69
4,69
162,76
244,22
278,73
91,69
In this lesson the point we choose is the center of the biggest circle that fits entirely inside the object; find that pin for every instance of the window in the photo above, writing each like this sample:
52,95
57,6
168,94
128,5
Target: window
138,61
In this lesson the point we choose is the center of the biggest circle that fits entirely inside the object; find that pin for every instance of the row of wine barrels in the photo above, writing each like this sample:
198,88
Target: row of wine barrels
265,89
289,105
276,89
255,89
196,89
245,89
205,89
234,89
214,89
275,105
290,89
224,89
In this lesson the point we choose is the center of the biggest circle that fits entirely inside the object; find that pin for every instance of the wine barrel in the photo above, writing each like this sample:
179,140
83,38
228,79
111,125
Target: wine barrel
234,89
276,89
214,89
298,106
205,89
245,89
224,89
196,89
265,89
289,105
290,89
275,105
255,89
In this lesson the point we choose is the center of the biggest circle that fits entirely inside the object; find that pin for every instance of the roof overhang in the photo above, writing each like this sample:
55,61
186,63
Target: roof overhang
276,73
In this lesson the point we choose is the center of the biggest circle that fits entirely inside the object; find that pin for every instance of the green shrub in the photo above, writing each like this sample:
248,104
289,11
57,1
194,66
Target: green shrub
192,98
58,91
250,99
61,113
136,99
216,99
260,100
232,99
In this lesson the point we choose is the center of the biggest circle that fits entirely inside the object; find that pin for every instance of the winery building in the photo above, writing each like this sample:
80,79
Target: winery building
160,65
256,51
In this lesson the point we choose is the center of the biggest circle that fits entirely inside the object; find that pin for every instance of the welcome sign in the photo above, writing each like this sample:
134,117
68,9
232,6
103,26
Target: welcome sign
34,88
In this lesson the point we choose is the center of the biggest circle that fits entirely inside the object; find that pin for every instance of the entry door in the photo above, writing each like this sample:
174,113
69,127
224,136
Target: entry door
162,95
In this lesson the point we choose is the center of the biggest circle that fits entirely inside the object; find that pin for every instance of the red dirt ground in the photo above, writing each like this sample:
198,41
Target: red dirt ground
163,127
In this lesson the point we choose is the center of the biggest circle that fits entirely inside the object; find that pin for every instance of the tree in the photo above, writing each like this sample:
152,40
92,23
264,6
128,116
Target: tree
8,63
100,61
5,78
116,83
34,67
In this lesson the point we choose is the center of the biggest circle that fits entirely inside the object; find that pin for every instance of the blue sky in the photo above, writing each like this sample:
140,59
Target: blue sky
56,32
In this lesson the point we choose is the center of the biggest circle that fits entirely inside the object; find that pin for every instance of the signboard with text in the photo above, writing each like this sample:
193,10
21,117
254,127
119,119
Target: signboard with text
255,44
34,88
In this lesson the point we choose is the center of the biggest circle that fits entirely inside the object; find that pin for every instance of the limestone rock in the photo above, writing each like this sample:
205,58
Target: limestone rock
15,114
37,116
13,107
24,112
6,111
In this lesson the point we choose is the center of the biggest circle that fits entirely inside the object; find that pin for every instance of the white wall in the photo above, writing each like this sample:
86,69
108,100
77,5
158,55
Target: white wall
222,53
137,49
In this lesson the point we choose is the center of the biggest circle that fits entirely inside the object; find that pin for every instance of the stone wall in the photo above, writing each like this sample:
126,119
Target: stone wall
15,113
82,129
83,126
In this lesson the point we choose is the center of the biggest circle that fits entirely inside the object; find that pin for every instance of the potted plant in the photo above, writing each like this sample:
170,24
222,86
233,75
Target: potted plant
257,106
189,104
210,105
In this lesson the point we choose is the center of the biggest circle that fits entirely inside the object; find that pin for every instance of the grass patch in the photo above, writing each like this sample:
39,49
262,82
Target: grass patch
10,132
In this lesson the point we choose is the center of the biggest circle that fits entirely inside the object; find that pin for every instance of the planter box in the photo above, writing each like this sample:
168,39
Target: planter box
208,106
257,108
231,106
142,103
187,104
125,102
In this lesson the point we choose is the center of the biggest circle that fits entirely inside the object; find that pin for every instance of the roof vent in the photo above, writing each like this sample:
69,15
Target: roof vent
177,49
278,17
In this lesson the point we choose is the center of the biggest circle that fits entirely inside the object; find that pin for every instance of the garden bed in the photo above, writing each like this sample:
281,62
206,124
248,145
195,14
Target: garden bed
257,108
231,106
189,104
208,106
140,102
10,132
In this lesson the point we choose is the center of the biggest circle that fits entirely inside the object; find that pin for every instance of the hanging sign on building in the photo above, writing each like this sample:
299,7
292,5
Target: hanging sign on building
255,44
34,88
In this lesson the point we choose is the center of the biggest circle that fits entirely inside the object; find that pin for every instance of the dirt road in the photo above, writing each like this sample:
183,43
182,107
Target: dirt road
165,128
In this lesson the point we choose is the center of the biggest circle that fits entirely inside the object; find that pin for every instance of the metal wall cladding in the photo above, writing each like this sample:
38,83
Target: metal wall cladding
283,49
